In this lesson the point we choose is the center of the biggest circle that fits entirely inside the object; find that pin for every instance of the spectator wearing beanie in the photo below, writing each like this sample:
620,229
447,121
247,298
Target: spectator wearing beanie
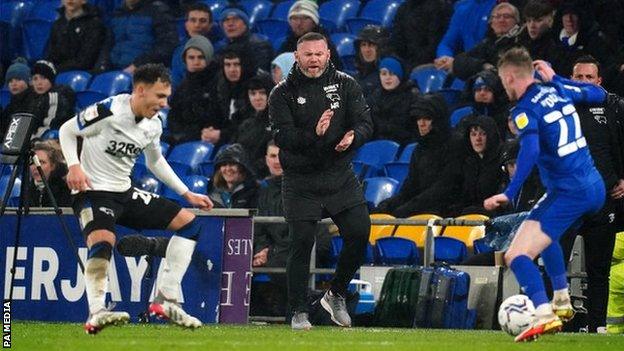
487,97
193,104
281,66
54,104
22,96
77,37
371,45
303,17
390,103
235,25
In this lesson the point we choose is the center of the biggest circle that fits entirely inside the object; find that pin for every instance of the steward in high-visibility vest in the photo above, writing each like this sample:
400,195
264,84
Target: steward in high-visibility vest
615,310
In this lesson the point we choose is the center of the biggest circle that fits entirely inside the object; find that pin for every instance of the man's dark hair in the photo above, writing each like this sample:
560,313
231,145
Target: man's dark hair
537,9
199,6
232,54
151,73
591,60
312,36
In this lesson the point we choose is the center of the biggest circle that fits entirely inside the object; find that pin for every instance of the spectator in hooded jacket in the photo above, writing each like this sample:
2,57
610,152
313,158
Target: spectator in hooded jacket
371,46
233,182
419,193
254,132
303,17
487,97
77,37
142,32
281,66
418,28
54,104
54,169
504,27
193,104
198,21
22,95
466,29
235,25
390,103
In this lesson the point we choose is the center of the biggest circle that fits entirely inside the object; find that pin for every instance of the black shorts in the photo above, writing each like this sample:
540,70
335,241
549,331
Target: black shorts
135,208
314,196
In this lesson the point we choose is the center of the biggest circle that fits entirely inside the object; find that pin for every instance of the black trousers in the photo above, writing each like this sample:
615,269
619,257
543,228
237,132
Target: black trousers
354,226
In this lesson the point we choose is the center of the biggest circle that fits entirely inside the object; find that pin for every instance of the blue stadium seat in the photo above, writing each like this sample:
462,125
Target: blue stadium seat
481,246
375,154
12,14
344,46
272,27
216,6
206,169
337,11
5,97
195,183
406,153
449,250
257,9
396,251
35,34
335,249
459,114
182,169
181,30
277,43
378,189
148,183
428,78
15,192
379,12
50,134
164,148
458,84
451,96
397,171
104,85
45,10
280,10
77,80
192,154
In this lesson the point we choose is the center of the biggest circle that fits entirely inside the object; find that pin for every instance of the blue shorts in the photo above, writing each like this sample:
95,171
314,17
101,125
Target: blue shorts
557,211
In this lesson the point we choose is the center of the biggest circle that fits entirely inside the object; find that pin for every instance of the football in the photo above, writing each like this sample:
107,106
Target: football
516,314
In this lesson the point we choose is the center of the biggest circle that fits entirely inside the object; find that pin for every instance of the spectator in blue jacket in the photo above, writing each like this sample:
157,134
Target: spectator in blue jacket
142,32
467,28
198,21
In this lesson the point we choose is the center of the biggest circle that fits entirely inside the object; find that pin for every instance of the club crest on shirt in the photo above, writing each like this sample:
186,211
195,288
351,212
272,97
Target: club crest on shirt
522,120
331,88
301,100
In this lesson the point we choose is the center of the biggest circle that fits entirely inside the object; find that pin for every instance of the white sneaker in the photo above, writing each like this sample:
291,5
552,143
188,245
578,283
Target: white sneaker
174,313
104,318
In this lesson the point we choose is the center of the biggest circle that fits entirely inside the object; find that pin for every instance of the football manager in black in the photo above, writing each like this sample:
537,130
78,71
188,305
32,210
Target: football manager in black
320,118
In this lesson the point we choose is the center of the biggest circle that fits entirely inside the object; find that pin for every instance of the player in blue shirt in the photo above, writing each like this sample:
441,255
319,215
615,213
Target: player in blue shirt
551,137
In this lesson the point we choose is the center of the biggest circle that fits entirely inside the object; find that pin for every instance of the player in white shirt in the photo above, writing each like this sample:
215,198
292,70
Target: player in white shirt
115,132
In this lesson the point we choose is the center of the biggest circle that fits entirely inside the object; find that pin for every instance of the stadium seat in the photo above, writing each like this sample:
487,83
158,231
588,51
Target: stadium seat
378,189
148,183
397,171
180,24
376,153
77,80
396,251
449,250
15,191
344,47
380,230
196,183
406,153
45,10
257,9
335,249
466,234
221,148
458,84
428,78
104,85
480,246
459,114
12,14
192,154
182,169
451,96
164,148
280,10
216,6
272,27
35,34
417,233
50,134
337,11
277,43
206,168
379,12
5,97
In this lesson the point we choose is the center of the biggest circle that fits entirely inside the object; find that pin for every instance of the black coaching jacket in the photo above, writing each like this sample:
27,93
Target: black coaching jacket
295,106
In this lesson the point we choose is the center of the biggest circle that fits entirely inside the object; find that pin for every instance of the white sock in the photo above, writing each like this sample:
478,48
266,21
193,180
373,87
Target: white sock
96,281
562,294
179,254
544,309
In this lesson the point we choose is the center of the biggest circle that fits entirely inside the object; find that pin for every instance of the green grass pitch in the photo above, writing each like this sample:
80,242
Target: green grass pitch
71,336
